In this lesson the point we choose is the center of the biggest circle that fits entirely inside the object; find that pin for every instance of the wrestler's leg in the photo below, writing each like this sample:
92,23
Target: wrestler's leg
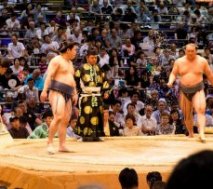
58,105
186,107
63,127
199,103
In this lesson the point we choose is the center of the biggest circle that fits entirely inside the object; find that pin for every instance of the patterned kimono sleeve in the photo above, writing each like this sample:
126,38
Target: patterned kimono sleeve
36,133
78,79
105,88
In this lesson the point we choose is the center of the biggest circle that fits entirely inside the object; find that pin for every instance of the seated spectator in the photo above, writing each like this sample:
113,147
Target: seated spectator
16,130
16,67
41,31
106,8
16,49
154,97
114,39
134,98
95,7
165,128
128,48
150,40
77,36
30,116
11,81
4,65
128,179
71,127
162,105
60,36
49,46
43,64
31,31
29,90
195,171
13,23
118,115
141,60
38,80
133,112
113,127
60,19
176,120
103,59
41,131
148,123
153,177
114,62
24,124
130,129
131,77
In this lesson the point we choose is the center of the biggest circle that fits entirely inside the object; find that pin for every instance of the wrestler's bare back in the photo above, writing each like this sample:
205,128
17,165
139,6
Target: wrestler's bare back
190,72
64,71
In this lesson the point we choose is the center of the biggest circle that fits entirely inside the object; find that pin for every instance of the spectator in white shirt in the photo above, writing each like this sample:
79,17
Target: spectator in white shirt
42,31
13,23
49,47
31,32
103,58
16,49
76,36
16,67
130,129
134,98
148,123
128,48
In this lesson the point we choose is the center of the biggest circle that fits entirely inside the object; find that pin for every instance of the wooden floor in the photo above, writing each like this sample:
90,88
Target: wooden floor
92,162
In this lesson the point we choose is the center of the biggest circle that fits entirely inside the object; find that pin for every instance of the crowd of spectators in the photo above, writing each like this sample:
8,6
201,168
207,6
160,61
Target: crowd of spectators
137,43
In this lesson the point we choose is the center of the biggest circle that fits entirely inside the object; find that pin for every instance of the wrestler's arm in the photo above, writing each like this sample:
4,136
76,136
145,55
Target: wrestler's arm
173,74
51,70
207,71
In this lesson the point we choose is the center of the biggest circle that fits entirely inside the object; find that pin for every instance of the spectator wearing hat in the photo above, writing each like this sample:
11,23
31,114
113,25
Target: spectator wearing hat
41,131
16,130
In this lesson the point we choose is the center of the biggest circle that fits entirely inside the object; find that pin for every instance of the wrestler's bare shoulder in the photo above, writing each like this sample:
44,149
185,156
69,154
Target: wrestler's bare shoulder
56,59
199,59
180,61
202,59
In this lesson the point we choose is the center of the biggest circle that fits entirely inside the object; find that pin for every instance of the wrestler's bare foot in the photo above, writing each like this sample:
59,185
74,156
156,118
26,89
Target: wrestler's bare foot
50,149
191,135
64,149
202,138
